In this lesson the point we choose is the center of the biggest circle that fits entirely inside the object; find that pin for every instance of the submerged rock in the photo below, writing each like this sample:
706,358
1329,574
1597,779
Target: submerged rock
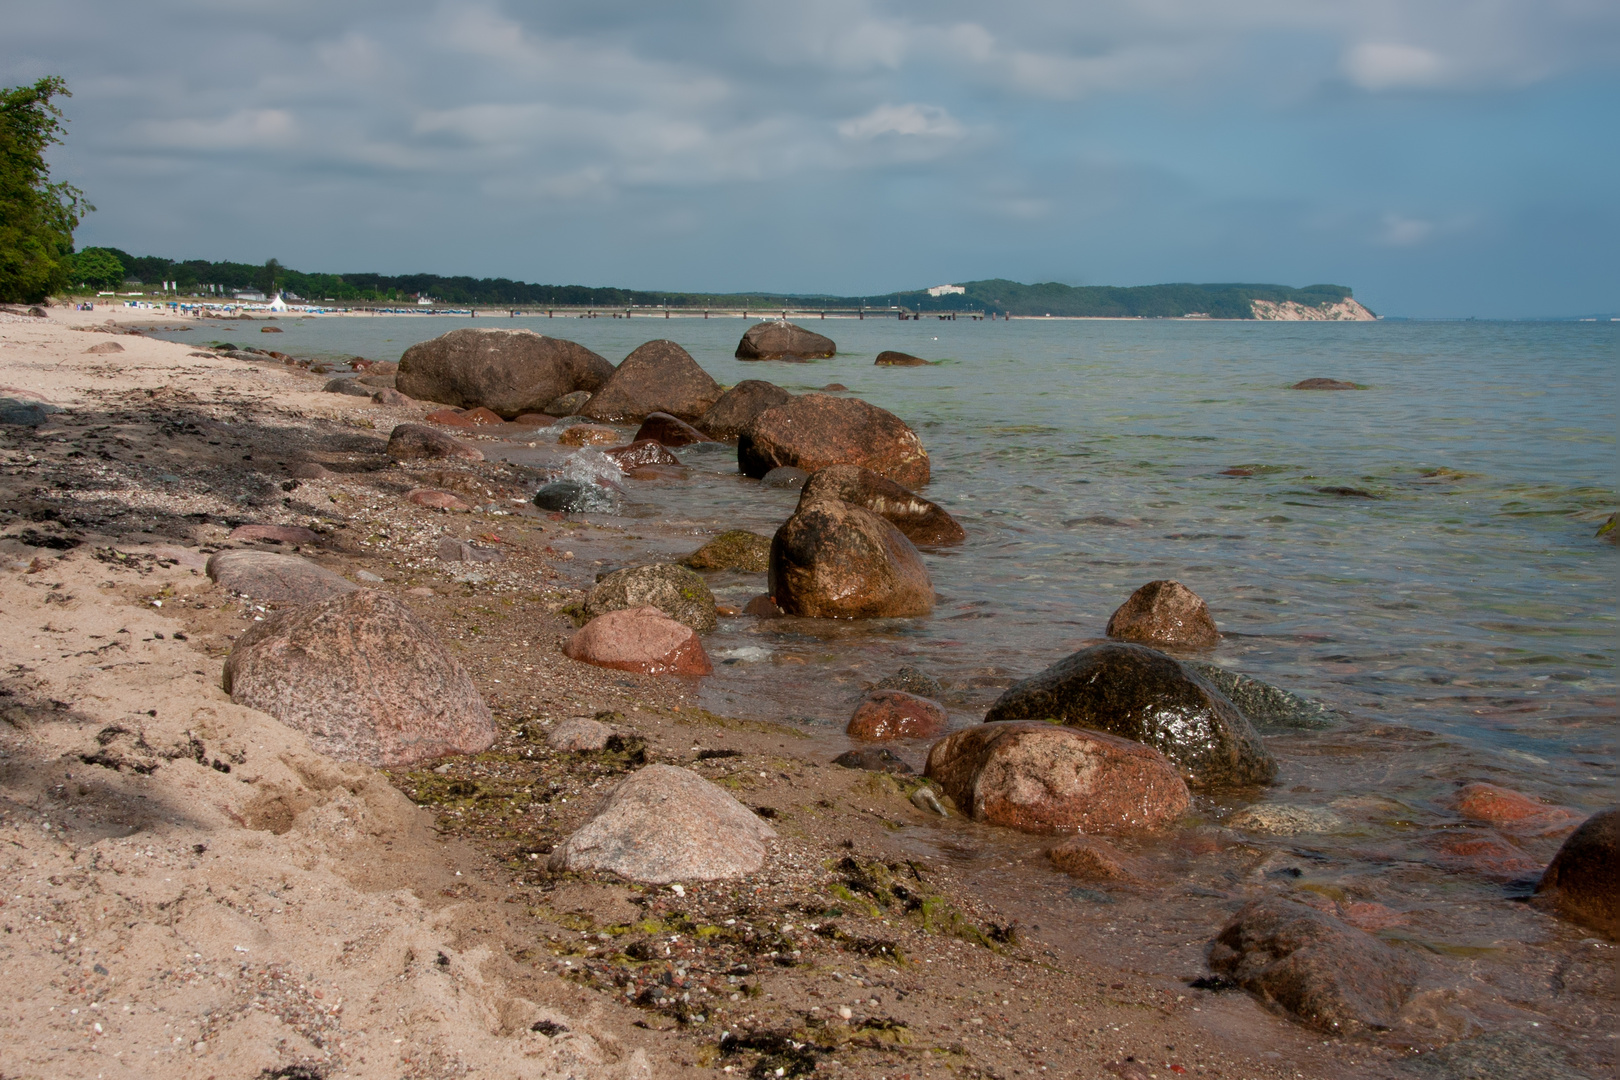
566,496
643,640
778,339
734,549
1505,809
364,678
1308,964
1324,384
1142,694
588,435
1043,778
895,714
669,430
738,406
1262,703
680,593
834,560
280,579
1091,858
818,430
640,454
1582,883
912,681
409,442
890,358
664,824
1164,614
658,376
922,521
508,371
1281,820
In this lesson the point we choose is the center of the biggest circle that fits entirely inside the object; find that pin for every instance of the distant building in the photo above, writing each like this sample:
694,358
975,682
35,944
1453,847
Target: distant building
947,290
249,294
424,301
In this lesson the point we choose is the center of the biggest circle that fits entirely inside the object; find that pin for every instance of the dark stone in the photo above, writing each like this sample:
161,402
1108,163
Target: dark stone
912,681
670,430
1165,614
835,560
564,495
412,441
659,376
390,398
785,476
509,371
922,521
1582,883
640,454
24,413
1324,384
567,404
352,387
1142,694
735,549
874,759
738,406
818,430
1262,703
762,607
890,358
778,339
1314,967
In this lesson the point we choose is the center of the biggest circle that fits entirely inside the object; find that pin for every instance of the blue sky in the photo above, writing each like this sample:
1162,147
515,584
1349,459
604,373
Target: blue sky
1445,158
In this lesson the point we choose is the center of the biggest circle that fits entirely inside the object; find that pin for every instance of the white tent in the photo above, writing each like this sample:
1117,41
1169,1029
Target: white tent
278,304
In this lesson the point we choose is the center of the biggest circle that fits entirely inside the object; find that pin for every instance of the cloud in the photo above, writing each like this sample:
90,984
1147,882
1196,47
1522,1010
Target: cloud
1393,66
245,129
1398,231
925,121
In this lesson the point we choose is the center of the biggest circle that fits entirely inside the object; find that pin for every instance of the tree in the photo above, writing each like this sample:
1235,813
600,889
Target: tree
97,267
269,274
37,217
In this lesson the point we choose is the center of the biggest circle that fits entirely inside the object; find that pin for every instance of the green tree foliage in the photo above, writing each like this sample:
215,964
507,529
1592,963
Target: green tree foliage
268,276
37,217
95,267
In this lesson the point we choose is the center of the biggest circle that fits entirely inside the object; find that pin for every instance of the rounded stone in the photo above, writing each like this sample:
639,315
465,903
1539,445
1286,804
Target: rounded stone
434,499
658,376
669,430
408,442
1582,882
778,339
567,404
922,521
579,735
834,560
507,371
1165,614
643,640
734,549
640,454
817,430
890,358
280,579
588,435
739,405
680,593
894,714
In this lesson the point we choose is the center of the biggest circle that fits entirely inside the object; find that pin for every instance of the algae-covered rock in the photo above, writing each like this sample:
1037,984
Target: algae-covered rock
1262,703
678,592
734,549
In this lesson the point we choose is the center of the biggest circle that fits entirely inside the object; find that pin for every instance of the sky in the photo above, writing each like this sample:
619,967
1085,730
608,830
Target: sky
1443,158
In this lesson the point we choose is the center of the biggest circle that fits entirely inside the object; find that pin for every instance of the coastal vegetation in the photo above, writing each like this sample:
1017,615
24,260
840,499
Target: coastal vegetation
37,217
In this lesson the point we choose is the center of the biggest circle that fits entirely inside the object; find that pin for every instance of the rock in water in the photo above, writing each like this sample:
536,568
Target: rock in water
923,522
568,496
579,734
776,339
836,561
280,579
1142,694
567,404
818,430
1303,962
669,430
659,376
1262,703
1507,809
1165,613
643,640
1324,384
664,824
738,406
640,454
364,678
508,371
785,476
912,681
895,714
1091,858
408,442
588,435
680,593
1044,778
734,549
1582,882
890,358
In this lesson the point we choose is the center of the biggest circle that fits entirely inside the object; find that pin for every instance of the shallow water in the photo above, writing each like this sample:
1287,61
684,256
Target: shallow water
1458,613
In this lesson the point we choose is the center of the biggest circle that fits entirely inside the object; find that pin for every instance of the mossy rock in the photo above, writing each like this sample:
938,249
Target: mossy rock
676,591
735,549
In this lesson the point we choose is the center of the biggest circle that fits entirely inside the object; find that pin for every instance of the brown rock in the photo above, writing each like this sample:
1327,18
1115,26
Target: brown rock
1044,778
269,329
1311,965
280,579
105,347
818,430
659,376
364,678
532,419
481,417
1323,384
1164,613
833,560
640,454
735,549
643,640
351,387
1480,852
409,442
835,388
449,418
894,714
437,500
393,399
890,358
923,522
308,470
785,476
579,735
669,430
874,759
663,824
778,339
449,549
568,404
762,607
1507,809
588,435
738,406
507,371
1583,881
1091,858
278,534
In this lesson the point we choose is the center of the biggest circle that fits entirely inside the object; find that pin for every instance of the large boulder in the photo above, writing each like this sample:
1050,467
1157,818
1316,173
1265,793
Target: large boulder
680,593
508,371
922,521
1308,964
777,339
734,549
1044,778
664,824
643,640
279,579
1141,694
738,406
659,376
833,560
817,430
669,430
363,678
1582,882
894,714
1165,614
411,442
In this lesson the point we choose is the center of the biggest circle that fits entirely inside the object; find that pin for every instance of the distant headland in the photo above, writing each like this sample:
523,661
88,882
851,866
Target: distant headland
995,297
